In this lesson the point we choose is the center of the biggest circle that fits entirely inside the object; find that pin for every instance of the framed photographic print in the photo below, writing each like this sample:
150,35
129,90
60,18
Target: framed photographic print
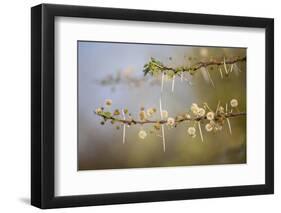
140,106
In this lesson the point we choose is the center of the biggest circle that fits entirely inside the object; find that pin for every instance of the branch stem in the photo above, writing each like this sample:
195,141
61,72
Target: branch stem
200,65
163,121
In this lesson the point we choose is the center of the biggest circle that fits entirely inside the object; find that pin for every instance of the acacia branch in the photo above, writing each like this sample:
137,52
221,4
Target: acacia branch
192,69
132,121
218,63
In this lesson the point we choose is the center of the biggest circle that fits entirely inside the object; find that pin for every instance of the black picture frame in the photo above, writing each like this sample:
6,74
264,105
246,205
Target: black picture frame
43,102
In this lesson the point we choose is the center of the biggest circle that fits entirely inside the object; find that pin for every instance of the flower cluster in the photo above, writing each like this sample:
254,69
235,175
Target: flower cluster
213,120
145,114
197,111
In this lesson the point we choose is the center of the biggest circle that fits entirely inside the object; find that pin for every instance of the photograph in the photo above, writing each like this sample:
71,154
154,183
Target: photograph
160,105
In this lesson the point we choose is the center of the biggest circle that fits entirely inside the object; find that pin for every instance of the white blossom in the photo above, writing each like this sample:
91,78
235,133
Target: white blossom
194,108
142,134
209,127
234,103
201,112
98,110
221,109
170,121
210,116
149,112
191,131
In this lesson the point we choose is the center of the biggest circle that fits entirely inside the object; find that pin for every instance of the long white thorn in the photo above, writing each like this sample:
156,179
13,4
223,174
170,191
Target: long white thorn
160,107
239,70
199,127
162,126
229,126
224,64
218,107
124,127
210,78
231,68
173,84
162,82
221,73
163,138
208,107
204,73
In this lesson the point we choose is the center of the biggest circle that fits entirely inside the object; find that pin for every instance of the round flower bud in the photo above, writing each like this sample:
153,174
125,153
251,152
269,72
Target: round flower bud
108,102
210,116
234,103
209,127
142,134
194,105
187,116
201,112
221,109
149,112
116,112
157,126
126,111
194,108
191,131
142,115
170,121
98,111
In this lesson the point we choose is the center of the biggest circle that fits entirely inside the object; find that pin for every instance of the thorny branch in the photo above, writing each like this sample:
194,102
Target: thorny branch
154,66
213,120
132,121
